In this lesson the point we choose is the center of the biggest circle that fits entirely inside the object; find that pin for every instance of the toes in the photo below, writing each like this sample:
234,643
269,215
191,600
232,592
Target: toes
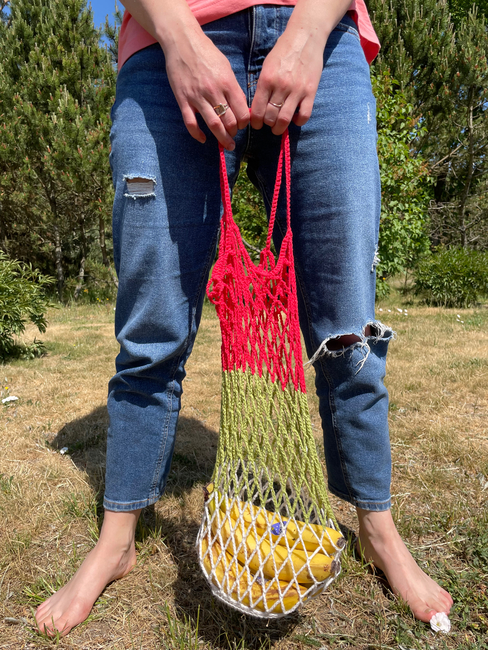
424,614
448,602
43,607
444,600
44,627
48,627
449,598
45,623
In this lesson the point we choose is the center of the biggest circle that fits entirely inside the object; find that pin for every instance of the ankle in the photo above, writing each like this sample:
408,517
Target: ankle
376,525
118,531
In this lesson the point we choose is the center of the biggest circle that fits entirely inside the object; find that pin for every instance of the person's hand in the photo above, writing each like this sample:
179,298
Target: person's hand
288,81
201,78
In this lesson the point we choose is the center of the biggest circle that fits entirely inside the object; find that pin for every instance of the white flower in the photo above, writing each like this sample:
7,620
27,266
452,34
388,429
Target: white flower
440,623
10,398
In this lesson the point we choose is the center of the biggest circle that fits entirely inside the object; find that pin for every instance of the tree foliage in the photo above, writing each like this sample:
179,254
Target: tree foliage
405,184
460,9
57,84
442,69
22,299
250,214
111,32
56,89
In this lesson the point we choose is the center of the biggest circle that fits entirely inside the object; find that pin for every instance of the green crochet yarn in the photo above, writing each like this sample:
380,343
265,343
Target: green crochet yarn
267,451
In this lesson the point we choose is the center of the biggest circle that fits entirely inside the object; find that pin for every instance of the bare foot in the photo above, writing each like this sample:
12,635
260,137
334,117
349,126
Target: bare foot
112,558
380,543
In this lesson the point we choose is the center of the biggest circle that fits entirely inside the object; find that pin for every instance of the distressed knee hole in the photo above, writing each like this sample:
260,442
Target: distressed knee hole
345,341
342,342
138,187
337,346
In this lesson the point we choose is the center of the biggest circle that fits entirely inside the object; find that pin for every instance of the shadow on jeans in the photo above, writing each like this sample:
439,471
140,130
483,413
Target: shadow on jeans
85,439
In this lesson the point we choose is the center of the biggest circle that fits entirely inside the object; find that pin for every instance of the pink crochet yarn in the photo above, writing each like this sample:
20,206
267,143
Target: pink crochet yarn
257,304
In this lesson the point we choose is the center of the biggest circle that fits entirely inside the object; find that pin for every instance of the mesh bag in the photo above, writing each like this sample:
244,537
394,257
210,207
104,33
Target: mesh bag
268,540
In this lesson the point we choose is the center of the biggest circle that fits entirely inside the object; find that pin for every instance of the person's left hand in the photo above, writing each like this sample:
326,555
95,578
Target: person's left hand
290,77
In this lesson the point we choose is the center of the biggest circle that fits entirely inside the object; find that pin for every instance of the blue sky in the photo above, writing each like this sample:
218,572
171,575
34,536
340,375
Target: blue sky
101,8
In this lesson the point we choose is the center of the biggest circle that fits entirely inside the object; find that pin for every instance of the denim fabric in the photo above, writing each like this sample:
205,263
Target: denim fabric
165,237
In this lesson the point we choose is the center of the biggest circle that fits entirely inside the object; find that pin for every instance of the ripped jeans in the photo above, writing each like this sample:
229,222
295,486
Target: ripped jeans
165,229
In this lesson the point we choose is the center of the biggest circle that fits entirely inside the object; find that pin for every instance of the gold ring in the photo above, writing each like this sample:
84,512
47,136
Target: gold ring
276,105
221,109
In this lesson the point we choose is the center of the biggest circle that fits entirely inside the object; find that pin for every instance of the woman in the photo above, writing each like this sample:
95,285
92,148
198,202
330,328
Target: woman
188,73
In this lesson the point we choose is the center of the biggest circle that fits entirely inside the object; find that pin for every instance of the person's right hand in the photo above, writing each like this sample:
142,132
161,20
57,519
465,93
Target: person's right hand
201,77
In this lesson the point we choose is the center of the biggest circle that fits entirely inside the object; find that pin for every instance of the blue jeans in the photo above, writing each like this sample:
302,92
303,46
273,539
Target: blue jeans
165,233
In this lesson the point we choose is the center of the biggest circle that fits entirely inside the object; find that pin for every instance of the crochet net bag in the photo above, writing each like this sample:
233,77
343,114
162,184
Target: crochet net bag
268,540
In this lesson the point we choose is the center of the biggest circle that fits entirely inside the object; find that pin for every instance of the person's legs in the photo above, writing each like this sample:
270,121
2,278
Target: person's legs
335,201
335,221
165,226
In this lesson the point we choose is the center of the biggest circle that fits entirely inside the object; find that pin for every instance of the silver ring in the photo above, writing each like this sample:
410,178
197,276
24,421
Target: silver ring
221,109
276,105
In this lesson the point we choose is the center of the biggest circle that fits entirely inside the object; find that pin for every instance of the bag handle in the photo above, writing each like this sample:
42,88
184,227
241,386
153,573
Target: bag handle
225,191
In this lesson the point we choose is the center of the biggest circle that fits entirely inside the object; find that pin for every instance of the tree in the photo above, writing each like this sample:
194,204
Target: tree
442,69
111,32
3,12
459,159
405,185
57,86
461,8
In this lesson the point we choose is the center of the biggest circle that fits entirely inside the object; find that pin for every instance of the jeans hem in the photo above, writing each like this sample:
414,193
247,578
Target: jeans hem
376,506
129,506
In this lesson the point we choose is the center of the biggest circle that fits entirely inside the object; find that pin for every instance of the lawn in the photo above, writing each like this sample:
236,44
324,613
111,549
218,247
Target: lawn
51,483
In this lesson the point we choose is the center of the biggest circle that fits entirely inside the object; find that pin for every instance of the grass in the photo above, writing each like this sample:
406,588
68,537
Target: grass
50,503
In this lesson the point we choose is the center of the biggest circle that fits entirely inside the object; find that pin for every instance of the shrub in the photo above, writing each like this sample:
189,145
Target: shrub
22,299
405,184
250,214
98,286
453,277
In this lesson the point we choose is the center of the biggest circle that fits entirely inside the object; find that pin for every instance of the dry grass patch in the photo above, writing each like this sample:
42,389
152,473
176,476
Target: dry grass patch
50,502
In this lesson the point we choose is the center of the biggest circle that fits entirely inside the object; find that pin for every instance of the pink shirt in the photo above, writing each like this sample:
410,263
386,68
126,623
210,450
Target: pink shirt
133,37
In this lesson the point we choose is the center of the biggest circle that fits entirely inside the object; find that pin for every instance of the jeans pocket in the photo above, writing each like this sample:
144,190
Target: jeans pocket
347,24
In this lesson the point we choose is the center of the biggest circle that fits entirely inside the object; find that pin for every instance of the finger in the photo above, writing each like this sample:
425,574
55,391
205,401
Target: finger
304,111
229,121
273,109
214,123
259,106
284,118
257,115
190,120
238,103
243,115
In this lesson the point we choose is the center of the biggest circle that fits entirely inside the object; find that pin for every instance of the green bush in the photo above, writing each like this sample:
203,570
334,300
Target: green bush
250,214
22,299
453,277
405,184
98,285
